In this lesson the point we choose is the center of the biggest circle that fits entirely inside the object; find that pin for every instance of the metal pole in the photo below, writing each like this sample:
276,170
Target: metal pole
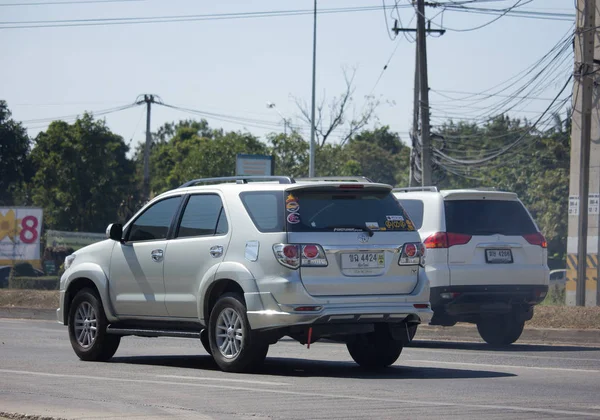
311,162
424,91
586,37
148,99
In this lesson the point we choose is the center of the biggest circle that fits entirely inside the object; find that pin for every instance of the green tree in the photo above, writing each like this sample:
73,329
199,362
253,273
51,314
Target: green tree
82,174
14,163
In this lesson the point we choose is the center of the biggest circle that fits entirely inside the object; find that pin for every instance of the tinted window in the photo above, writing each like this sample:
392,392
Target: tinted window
339,210
155,221
414,208
201,215
265,209
488,217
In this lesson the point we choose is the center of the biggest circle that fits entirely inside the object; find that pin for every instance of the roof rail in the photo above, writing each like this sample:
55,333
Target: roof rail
407,189
336,178
239,180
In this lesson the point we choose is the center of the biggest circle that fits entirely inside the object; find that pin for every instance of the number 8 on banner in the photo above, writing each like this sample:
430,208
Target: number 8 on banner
29,226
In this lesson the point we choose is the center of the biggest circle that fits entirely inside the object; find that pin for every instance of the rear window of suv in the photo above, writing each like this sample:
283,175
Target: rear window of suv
344,211
488,217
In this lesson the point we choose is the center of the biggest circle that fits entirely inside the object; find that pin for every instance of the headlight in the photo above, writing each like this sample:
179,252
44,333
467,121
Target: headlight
69,260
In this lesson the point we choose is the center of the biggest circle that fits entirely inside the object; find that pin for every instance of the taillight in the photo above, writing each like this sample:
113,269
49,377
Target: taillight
413,253
446,240
300,255
536,239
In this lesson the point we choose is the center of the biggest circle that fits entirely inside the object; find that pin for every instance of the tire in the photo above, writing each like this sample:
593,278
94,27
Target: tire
375,350
205,341
87,328
234,346
500,330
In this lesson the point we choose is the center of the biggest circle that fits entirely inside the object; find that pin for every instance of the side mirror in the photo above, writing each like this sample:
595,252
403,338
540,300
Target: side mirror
114,231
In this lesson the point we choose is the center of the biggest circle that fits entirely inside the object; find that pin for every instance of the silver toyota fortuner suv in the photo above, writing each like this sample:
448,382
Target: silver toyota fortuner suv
241,262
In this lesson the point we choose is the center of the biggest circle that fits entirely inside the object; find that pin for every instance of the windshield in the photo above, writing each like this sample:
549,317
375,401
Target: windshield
345,211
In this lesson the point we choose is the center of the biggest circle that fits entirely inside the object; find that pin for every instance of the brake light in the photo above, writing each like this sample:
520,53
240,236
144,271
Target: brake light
536,239
351,186
446,240
300,255
413,253
458,239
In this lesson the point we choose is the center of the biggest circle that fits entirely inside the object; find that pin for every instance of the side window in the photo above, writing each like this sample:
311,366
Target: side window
265,209
414,208
154,223
203,215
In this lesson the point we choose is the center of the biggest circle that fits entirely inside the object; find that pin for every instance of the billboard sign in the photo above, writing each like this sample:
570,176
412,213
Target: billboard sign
257,165
20,232
73,240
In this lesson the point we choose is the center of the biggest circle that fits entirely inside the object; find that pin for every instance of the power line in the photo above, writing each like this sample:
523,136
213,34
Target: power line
182,18
54,3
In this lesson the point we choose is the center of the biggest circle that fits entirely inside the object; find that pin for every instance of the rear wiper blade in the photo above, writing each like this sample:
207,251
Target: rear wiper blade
354,227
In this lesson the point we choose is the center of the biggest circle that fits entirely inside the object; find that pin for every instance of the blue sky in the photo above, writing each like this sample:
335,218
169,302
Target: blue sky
234,67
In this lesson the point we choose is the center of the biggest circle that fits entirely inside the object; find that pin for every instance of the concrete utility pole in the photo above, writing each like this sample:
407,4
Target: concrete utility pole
583,229
311,162
424,91
421,94
148,99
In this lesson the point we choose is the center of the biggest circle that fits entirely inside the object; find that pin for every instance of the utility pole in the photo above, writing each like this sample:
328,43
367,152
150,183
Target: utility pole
424,93
415,124
311,162
148,99
421,93
585,35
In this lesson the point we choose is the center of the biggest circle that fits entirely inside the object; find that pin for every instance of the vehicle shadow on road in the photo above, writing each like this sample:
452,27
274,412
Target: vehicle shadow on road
292,367
523,348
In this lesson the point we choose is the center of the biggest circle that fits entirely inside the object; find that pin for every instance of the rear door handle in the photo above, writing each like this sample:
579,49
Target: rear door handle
216,251
157,255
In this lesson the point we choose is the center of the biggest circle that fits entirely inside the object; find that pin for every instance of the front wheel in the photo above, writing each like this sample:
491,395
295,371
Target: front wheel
375,350
87,328
500,330
234,346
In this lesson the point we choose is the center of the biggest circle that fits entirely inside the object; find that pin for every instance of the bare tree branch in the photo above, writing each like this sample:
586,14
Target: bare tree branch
337,112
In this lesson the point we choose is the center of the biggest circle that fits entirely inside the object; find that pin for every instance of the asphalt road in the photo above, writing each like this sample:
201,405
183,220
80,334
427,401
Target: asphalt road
159,378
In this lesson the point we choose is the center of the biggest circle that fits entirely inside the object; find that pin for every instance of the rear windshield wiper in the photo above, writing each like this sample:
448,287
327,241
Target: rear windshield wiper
354,227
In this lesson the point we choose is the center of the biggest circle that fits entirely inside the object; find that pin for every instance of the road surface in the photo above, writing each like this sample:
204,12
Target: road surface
156,378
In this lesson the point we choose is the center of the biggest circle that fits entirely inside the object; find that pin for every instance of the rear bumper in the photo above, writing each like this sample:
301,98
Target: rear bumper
474,300
274,315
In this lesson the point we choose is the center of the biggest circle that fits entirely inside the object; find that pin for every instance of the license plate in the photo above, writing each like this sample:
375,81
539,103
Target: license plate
363,260
498,256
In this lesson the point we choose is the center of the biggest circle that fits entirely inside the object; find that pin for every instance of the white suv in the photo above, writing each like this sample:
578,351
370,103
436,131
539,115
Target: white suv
241,264
486,258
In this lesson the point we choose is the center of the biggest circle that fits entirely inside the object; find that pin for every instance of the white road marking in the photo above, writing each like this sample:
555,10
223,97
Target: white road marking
411,402
488,365
204,378
503,354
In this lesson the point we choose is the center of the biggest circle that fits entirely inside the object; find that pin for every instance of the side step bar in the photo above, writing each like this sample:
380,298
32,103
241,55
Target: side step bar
152,333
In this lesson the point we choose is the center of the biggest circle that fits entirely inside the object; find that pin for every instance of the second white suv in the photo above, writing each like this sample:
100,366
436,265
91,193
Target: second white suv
486,258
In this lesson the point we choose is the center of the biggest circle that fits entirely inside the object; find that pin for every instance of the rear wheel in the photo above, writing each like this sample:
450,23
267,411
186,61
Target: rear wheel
500,330
87,328
375,350
234,346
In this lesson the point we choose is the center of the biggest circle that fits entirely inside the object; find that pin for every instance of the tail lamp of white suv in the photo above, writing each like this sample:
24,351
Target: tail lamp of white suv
413,253
447,239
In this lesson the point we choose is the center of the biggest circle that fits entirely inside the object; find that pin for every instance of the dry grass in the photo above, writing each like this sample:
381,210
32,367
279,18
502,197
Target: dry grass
38,299
546,316
582,318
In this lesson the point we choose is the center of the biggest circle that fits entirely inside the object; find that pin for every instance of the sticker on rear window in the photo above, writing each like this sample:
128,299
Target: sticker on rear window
293,218
292,206
395,218
397,224
410,225
372,225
